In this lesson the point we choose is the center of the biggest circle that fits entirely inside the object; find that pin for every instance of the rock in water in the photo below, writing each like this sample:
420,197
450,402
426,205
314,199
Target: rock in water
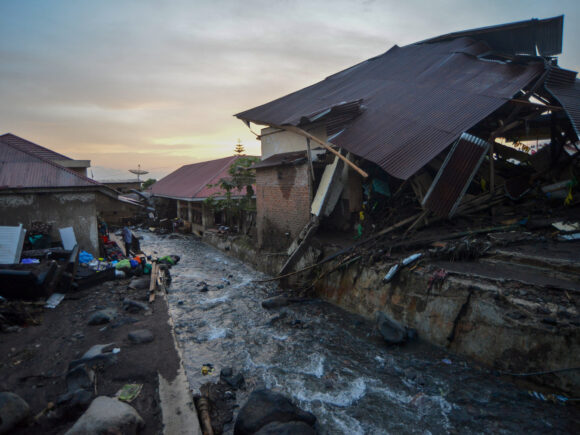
290,428
13,410
265,406
392,331
107,415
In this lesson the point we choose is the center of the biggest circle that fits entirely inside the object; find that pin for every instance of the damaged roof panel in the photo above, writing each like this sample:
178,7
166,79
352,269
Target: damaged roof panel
564,86
455,174
520,37
418,99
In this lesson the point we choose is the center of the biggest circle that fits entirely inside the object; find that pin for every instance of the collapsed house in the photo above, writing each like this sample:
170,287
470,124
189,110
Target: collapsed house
37,189
190,193
453,118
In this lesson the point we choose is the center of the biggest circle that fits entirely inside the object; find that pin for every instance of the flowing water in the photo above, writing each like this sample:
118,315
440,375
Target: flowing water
331,362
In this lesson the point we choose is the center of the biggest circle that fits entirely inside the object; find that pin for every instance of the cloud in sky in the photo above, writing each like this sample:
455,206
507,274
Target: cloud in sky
158,83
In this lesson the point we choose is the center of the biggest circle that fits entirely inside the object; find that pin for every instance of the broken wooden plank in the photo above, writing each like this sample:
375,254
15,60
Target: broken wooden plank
300,244
153,282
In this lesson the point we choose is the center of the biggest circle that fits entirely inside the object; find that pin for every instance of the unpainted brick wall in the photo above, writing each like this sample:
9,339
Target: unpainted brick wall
283,204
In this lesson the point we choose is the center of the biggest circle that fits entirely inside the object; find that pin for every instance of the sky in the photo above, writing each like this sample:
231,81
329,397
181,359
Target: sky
156,82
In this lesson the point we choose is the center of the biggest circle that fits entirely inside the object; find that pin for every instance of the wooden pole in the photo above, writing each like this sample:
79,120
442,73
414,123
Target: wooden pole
309,152
326,145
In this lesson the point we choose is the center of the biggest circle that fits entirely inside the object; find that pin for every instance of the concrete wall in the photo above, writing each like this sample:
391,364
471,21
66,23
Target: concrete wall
491,327
277,142
283,196
77,210
115,212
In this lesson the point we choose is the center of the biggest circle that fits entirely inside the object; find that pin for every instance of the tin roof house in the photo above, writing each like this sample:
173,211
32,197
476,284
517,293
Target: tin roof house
187,189
444,116
36,187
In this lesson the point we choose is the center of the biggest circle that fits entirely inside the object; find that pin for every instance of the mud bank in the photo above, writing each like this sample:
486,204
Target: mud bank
520,320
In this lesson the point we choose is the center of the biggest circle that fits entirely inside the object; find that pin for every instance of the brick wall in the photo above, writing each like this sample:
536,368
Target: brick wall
283,204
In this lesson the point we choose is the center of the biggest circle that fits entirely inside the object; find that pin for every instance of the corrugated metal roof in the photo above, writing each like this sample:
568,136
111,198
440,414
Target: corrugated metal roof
25,167
190,181
520,37
283,159
455,174
417,100
31,147
564,86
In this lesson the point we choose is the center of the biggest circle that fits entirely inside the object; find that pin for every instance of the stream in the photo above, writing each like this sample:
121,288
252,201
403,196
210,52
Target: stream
331,362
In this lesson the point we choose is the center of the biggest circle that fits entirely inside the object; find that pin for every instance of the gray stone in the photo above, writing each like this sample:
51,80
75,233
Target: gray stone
265,406
107,415
280,301
80,377
392,331
13,410
102,316
141,283
134,306
141,336
98,355
289,428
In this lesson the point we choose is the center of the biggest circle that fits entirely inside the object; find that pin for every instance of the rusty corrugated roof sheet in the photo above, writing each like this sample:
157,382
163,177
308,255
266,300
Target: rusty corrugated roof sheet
455,174
190,181
415,100
564,86
26,167
520,37
31,147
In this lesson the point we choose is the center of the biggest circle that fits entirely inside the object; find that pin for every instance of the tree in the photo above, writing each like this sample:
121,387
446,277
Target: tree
148,183
239,148
241,176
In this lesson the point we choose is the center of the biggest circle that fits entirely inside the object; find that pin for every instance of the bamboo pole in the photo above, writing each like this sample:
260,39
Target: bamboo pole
326,145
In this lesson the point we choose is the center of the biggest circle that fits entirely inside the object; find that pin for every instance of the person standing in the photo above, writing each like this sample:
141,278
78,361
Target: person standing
128,239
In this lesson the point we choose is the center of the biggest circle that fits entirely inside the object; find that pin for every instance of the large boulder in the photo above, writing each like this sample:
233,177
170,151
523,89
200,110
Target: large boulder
107,415
13,410
392,331
265,406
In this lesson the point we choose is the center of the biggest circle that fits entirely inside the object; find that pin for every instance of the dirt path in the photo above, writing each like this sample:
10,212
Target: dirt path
35,359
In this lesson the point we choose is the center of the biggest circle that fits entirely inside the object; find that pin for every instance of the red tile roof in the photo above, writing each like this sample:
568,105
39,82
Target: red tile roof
191,181
24,164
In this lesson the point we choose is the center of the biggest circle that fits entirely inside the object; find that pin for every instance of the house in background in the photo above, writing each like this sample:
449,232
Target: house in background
123,186
78,166
35,188
433,115
184,193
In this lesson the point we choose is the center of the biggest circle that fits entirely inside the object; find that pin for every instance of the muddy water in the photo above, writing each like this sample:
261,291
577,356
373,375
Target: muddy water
331,362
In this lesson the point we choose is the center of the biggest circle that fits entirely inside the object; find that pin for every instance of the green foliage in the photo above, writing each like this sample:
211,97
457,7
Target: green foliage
148,183
241,176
